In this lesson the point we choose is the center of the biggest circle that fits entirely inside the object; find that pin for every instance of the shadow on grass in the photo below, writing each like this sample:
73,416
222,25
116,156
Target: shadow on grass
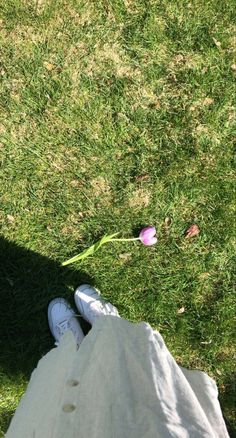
28,281
228,403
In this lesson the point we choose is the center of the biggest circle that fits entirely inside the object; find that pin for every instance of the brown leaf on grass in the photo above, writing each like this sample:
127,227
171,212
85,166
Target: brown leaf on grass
48,65
222,388
168,222
181,310
233,67
217,43
141,178
194,230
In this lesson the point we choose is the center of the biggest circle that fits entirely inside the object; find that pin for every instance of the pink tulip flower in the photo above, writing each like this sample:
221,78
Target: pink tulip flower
148,236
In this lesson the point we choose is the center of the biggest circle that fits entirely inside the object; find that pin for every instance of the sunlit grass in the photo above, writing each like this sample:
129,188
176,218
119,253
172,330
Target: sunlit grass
115,115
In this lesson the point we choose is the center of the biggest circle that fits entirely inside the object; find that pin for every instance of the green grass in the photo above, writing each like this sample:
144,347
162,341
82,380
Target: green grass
116,114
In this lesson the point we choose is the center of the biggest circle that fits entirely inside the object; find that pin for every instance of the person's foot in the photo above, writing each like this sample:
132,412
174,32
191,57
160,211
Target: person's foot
61,318
91,305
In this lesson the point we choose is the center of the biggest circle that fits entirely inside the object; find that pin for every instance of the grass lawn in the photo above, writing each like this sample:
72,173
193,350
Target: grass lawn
116,114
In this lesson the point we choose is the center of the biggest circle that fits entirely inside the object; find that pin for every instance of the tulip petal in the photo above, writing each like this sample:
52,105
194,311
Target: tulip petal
147,236
151,241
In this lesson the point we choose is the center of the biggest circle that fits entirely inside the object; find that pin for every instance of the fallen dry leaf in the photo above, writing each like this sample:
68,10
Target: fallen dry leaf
48,65
217,43
194,230
168,221
10,218
218,372
233,67
222,388
181,310
142,178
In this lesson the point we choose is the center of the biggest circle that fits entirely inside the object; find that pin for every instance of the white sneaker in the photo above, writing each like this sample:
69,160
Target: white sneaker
61,317
91,305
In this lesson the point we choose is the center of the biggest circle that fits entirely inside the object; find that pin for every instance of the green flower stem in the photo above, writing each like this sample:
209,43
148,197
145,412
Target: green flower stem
94,248
124,240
